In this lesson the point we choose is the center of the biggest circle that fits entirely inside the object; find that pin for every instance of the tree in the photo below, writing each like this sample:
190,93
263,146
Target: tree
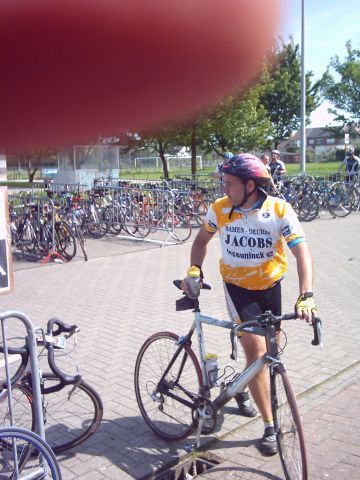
344,92
162,140
33,158
282,91
239,123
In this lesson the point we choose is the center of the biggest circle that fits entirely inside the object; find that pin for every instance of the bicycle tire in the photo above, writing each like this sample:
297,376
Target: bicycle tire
35,458
97,224
72,413
308,208
65,240
137,224
340,202
200,212
23,407
33,243
289,432
78,234
115,219
168,418
178,226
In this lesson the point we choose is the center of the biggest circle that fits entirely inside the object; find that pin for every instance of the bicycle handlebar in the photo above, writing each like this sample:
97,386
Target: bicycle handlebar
64,377
268,317
62,327
260,321
24,352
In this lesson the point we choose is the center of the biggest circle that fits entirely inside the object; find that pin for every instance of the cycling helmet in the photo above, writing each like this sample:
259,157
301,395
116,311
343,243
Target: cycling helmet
228,155
351,150
247,167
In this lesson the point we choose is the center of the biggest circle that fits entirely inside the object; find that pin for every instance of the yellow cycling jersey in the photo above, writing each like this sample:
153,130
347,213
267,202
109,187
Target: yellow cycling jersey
252,242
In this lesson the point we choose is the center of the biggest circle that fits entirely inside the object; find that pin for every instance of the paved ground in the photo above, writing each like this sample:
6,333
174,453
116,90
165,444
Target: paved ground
124,293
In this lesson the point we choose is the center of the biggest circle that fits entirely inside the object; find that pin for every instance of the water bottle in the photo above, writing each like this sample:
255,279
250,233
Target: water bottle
212,368
193,282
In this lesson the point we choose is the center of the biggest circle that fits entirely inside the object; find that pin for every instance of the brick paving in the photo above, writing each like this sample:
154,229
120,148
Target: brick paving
124,293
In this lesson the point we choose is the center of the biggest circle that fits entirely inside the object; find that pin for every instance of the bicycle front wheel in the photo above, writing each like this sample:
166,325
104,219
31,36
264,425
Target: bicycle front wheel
22,407
71,414
289,433
66,242
339,201
25,455
166,404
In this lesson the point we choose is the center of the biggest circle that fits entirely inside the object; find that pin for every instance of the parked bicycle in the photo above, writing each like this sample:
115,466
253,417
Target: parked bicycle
24,455
173,387
72,409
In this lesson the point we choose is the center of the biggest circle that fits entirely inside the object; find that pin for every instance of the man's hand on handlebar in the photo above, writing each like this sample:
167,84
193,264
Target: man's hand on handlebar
305,307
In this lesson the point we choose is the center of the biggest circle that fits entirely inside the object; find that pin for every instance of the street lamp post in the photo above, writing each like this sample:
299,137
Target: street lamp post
303,93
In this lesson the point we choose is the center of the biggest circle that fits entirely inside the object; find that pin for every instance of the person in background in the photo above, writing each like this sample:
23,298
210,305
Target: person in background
266,160
277,167
227,156
351,163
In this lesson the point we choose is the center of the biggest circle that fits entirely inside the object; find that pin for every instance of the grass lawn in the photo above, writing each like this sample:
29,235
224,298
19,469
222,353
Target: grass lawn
292,169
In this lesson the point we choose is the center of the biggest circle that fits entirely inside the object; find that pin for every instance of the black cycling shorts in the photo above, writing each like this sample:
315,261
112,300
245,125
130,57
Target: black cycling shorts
244,305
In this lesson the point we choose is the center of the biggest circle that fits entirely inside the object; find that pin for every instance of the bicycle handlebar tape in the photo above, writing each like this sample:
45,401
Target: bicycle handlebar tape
316,324
62,327
67,379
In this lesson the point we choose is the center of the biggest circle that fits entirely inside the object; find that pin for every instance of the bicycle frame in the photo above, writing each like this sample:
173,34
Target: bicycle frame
240,380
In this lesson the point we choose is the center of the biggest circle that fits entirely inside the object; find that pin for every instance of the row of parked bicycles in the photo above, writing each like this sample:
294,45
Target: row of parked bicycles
55,224
312,198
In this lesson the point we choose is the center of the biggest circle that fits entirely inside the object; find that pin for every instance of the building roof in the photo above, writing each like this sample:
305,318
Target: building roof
313,133
316,132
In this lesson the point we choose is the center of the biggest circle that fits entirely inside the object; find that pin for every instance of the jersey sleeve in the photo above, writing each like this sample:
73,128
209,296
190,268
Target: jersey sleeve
291,229
211,221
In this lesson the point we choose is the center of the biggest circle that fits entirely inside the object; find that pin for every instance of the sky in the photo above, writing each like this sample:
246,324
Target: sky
328,25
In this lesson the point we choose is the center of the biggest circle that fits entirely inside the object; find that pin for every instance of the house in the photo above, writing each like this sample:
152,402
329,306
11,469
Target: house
319,141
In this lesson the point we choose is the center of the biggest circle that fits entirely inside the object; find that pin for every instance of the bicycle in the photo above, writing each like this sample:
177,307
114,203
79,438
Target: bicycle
24,455
173,386
72,409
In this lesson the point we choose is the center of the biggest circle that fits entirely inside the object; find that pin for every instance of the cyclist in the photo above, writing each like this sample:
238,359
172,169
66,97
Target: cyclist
227,156
351,164
252,227
265,159
277,167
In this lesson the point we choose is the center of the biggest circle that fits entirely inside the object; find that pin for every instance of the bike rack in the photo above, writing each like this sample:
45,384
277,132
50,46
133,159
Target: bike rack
34,365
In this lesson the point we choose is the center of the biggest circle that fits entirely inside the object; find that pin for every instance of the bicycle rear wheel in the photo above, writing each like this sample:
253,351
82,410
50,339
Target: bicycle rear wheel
167,405
289,433
25,455
71,414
